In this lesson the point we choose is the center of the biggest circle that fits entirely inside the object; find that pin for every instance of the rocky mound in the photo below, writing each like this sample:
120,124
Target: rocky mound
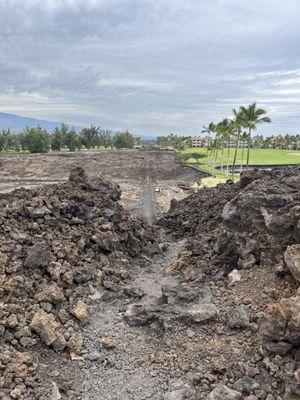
239,226
243,241
57,244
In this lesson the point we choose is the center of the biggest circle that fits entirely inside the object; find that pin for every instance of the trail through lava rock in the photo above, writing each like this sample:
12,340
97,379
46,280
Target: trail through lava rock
119,371
98,304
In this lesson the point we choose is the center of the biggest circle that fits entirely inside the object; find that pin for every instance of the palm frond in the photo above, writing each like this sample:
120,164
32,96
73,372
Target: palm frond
263,119
260,111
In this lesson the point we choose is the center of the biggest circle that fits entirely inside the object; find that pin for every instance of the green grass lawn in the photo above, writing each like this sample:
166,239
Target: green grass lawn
257,156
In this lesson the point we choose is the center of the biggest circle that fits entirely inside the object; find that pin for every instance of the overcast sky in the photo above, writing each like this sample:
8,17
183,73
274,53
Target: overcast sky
151,66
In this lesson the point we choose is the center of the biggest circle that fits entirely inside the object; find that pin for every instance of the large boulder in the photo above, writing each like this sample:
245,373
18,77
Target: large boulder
48,329
200,312
281,321
50,293
223,392
180,390
265,214
246,385
292,260
80,311
38,255
78,176
239,317
139,314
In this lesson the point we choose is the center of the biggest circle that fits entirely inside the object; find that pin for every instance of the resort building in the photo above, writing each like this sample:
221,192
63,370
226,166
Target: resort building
198,141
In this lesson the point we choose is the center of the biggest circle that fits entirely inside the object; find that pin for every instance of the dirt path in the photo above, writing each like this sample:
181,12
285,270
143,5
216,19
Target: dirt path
147,209
126,371
123,372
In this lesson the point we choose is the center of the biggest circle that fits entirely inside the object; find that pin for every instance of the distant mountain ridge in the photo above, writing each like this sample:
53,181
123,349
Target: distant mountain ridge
16,123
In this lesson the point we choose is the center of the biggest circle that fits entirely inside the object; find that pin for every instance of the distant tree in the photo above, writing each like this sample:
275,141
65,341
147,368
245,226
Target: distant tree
258,141
57,139
90,136
184,157
180,145
72,140
36,140
193,155
64,129
107,138
6,140
15,143
137,141
178,142
22,141
123,140
2,140
209,129
79,144
223,136
104,138
188,141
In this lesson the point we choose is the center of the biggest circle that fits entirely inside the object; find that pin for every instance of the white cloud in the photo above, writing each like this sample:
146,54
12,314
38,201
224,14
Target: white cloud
132,82
152,66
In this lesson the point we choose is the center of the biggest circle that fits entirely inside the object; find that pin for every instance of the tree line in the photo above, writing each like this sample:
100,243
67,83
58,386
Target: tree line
279,142
39,140
176,141
288,142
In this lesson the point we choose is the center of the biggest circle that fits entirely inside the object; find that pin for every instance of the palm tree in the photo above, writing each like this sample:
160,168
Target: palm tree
218,143
231,131
244,138
223,133
251,117
90,136
215,150
239,123
214,146
209,129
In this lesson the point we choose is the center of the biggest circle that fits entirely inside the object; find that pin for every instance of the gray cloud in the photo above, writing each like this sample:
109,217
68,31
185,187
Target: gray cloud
147,65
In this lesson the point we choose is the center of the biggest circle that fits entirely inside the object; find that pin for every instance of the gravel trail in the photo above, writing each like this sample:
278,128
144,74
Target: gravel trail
147,208
123,372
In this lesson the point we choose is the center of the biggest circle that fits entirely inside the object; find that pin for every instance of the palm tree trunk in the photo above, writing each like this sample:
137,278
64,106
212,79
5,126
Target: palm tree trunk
242,162
216,155
212,151
207,156
212,154
235,153
228,154
222,157
248,150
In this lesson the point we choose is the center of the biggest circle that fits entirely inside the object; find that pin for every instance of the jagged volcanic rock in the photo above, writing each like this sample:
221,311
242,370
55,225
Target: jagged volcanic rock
57,244
243,240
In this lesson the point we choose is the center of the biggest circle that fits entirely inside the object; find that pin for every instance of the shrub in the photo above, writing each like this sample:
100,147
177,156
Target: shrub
36,140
